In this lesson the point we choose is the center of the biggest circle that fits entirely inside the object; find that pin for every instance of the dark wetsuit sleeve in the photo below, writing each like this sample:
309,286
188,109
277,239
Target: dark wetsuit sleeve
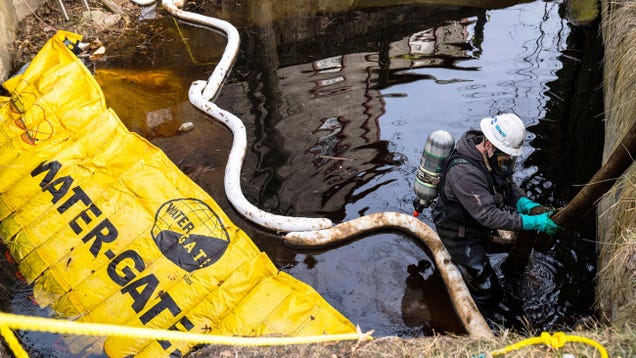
469,186
517,193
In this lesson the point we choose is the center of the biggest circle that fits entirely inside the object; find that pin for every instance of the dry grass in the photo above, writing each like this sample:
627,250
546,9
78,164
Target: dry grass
35,30
616,286
617,253
619,37
617,344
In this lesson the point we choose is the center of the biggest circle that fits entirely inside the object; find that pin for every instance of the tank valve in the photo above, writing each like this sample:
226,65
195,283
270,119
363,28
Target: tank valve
418,206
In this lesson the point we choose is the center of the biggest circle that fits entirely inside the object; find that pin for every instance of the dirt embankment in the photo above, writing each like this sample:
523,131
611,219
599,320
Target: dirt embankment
108,23
616,286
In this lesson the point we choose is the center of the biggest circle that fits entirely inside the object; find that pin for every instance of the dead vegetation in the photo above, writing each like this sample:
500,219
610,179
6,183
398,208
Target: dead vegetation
617,344
617,211
100,22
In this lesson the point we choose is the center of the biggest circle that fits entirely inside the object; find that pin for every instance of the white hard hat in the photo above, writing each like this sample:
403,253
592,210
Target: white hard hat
506,131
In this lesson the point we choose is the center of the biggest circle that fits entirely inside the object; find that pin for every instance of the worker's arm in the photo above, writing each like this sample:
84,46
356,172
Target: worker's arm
470,187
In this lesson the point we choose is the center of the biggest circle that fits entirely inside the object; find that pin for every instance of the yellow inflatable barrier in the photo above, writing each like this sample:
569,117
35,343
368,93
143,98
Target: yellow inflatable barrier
108,230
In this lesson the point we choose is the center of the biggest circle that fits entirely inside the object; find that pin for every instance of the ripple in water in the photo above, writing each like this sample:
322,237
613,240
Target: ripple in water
554,289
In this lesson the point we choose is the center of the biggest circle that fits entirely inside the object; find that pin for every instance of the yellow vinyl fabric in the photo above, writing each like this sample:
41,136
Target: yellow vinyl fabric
107,229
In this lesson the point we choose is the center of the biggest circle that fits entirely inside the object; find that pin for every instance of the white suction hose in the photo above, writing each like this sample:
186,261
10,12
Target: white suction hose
201,94
468,313
144,2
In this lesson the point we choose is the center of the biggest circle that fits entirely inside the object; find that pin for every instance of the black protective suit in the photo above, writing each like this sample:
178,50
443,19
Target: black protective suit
471,204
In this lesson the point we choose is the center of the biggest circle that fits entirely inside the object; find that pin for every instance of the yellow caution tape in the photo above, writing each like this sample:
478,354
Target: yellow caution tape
558,340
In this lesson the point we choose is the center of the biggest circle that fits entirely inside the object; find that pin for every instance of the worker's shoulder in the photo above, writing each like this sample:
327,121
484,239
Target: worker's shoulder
461,160
461,166
458,160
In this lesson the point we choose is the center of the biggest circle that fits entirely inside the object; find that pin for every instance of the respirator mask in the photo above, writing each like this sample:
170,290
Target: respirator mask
501,163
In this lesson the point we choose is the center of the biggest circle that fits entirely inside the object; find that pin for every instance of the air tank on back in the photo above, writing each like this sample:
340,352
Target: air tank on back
438,147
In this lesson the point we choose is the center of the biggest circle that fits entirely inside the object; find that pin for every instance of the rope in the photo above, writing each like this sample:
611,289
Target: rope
194,60
558,340
10,321
12,341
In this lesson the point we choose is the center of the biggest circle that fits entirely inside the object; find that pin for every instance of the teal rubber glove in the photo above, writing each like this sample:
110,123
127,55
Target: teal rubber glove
524,205
541,222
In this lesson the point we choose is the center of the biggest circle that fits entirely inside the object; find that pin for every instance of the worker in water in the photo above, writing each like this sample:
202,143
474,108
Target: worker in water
476,197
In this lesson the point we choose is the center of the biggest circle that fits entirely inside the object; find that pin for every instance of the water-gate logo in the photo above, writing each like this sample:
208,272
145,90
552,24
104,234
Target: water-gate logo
189,233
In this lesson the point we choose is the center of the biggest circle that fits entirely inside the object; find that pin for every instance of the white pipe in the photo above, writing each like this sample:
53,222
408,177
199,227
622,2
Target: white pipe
222,69
233,172
469,314
144,2
201,95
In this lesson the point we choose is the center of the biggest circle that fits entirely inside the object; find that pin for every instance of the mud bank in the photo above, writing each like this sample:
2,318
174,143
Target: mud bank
617,211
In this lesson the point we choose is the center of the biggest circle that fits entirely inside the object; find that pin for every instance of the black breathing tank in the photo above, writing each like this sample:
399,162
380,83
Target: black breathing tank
438,147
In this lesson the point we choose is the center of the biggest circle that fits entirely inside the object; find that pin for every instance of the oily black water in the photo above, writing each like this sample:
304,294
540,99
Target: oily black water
337,103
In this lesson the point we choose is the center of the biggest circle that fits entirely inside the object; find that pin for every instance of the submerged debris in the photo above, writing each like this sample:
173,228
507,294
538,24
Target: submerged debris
186,127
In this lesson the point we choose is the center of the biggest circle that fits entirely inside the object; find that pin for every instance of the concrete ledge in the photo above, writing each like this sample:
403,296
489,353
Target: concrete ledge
11,12
24,8
7,35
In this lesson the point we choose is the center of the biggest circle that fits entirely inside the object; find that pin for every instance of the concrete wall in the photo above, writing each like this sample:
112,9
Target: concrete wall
12,11
7,34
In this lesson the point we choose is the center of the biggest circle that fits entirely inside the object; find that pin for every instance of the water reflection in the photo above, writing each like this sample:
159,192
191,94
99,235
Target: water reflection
425,304
319,148
329,143
162,92
568,149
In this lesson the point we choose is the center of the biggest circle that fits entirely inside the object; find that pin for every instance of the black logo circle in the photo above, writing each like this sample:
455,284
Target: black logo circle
189,233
